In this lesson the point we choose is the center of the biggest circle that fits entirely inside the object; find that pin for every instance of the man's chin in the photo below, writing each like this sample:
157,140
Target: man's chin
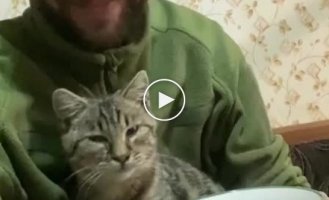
114,25
101,38
97,24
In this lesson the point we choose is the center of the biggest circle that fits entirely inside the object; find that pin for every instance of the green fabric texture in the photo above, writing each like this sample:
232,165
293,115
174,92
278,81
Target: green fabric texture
223,129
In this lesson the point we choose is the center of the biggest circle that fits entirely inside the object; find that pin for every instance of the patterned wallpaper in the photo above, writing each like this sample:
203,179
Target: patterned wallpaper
286,43
12,8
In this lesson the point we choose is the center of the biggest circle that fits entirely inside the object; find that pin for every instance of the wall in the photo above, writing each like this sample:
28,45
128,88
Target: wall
286,43
12,8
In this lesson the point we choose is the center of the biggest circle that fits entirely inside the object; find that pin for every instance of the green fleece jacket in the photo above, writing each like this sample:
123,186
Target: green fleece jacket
223,130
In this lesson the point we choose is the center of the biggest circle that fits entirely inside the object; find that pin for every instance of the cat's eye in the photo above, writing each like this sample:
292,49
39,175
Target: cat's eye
98,138
132,131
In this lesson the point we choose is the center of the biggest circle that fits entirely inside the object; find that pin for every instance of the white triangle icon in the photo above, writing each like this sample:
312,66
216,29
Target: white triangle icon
164,100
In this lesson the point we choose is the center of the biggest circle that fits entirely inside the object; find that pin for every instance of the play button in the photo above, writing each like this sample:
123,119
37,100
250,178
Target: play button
164,100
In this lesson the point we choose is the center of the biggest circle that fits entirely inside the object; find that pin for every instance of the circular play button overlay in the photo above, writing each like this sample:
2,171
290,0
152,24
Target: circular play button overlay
167,99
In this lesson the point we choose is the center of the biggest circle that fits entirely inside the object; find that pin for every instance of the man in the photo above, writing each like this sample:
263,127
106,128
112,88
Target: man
223,130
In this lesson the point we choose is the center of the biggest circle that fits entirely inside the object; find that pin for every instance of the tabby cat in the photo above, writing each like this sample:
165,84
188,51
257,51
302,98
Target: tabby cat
111,146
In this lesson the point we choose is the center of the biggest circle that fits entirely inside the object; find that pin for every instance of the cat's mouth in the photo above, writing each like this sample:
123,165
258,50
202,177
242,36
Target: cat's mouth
119,172
120,167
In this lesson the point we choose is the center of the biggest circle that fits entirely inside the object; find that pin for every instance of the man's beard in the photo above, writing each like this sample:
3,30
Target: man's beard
81,25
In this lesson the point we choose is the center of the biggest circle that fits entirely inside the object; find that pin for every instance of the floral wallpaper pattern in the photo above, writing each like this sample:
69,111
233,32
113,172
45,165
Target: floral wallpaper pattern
12,8
286,43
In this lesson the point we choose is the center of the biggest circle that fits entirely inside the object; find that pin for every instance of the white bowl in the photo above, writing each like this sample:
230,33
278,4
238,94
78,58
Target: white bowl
268,193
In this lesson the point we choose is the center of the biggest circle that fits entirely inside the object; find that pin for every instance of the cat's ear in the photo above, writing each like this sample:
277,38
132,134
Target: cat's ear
136,87
66,104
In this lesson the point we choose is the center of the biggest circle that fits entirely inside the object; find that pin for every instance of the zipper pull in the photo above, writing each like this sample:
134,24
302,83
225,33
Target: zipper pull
111,79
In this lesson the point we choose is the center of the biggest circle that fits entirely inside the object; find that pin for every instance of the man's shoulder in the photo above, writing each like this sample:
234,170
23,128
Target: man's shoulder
12,55
12,36
10,27
166,15
7,50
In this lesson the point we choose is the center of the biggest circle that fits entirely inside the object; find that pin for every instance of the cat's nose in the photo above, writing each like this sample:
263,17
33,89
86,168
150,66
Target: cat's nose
121,158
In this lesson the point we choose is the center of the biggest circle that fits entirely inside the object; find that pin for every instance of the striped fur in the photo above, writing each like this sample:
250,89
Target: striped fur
110,143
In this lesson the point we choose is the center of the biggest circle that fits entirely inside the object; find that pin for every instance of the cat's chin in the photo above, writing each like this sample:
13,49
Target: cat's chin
119,171
118,177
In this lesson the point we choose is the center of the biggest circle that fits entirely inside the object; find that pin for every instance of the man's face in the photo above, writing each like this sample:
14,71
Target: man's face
102,23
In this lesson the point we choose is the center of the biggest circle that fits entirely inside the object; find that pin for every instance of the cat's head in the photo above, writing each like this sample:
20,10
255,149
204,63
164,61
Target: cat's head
113,133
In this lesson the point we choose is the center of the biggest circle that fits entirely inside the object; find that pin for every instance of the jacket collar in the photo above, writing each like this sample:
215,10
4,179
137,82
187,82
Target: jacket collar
45,32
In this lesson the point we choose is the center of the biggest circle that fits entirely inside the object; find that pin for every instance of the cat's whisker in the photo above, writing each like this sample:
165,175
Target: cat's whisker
87,91
76,173
80,192
87,180
92,184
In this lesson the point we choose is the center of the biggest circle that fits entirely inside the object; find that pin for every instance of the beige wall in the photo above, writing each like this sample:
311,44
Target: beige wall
286,43
12,8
